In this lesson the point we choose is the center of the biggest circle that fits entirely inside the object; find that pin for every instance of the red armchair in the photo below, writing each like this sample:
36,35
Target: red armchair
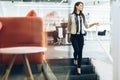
22,31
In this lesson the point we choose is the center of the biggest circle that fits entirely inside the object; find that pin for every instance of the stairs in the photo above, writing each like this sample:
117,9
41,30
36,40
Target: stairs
64,69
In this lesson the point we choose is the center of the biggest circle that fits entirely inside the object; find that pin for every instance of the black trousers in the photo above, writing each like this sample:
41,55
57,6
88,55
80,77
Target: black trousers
77,41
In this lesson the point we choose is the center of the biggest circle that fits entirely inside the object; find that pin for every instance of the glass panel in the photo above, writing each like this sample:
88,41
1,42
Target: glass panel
55,17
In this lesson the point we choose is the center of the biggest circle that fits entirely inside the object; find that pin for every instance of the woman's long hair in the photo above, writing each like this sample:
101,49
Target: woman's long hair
75,10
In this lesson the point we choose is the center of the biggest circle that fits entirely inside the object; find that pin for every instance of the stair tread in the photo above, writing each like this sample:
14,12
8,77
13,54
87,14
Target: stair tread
77,77
85,69
67,61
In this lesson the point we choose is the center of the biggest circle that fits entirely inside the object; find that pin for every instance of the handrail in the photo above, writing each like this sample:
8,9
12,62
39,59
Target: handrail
101,45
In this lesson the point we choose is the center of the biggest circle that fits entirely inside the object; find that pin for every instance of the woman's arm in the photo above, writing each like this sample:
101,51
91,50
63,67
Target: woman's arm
93,24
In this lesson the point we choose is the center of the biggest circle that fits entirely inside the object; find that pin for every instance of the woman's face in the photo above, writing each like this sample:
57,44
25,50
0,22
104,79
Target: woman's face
79,7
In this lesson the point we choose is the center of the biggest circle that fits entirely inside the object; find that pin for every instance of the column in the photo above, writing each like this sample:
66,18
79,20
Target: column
115,39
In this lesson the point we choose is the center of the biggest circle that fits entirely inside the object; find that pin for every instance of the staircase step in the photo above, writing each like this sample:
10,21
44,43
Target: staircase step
67,61
85,69
78,77
84,77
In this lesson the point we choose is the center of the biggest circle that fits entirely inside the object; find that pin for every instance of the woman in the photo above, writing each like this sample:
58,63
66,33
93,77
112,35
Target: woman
75,27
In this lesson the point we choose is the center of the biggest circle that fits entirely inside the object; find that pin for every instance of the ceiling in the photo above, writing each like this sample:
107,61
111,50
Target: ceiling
37,0
86,2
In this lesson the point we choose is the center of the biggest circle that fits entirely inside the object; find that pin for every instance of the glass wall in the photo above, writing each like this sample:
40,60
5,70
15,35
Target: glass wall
55,15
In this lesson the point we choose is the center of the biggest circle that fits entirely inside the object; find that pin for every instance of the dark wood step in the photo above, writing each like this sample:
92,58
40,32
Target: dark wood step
85,69
67,61
84,77
78,77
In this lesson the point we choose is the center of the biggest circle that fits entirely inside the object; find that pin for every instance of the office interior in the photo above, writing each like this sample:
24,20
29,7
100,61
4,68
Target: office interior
100,48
